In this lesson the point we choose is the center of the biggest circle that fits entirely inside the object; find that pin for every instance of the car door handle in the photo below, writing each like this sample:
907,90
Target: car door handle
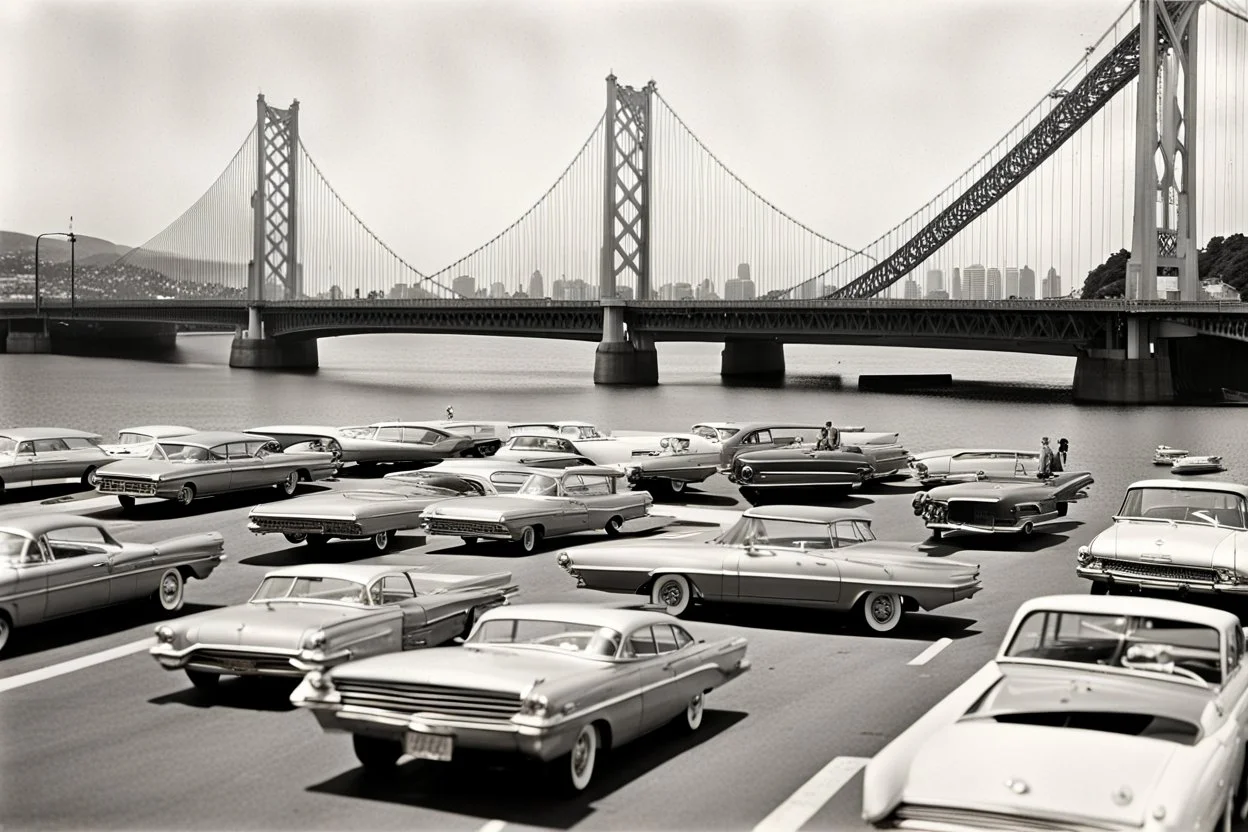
101,563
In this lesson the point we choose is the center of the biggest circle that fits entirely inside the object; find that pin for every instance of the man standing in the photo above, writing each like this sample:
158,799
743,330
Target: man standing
1046,459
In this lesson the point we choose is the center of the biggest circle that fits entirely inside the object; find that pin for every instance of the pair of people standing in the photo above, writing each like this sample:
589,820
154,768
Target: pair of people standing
1051,461
829,438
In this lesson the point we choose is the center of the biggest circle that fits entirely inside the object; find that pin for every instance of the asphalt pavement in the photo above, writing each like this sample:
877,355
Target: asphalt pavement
97,735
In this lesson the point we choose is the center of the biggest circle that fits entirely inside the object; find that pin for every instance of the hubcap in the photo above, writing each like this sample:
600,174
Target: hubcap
381,539
671,593
184,496
580,754
169,589
695,707
882,608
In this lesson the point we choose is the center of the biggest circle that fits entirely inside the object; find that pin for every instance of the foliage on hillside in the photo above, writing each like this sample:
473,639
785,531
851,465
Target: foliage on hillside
1225,258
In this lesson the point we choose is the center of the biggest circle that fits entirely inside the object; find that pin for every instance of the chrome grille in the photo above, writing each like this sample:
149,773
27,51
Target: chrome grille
943,817
1160,571
305,525
444,525
117,485
408,699
226,660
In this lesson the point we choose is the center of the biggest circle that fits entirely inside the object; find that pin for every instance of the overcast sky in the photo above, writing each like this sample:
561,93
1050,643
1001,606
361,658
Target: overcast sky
441,122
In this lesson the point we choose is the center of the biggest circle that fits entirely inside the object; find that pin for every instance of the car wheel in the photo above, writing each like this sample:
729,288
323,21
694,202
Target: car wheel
692,720
613,527
170,591
127,503
6,630
676,486
469,540
381,541
295,537
673,593
882,611
289,484
578,764
529,537
186,495
202,679
1027,530
375,754
88,477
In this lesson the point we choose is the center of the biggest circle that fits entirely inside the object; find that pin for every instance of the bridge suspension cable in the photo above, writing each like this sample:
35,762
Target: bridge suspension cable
201,254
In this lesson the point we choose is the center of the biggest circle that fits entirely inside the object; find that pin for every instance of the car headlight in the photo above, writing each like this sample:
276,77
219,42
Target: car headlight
918,502
1085,556
534,706
317,640
565,561
634,473
164,633
1228,576
746,473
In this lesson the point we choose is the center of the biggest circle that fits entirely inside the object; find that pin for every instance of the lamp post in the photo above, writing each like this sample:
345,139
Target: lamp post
72,240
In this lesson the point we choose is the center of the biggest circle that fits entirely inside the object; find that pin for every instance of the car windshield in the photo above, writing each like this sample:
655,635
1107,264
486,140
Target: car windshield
540,485
305,588
565,636
766,531
1186,505
7,446
358,432
1157,645
127,438
12,547
175,452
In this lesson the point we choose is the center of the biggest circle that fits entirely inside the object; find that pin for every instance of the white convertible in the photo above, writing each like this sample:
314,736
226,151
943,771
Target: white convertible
1097,713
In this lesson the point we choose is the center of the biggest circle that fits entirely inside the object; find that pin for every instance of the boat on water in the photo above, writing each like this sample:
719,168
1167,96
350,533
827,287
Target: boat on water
1165,455
1197,465
1234,396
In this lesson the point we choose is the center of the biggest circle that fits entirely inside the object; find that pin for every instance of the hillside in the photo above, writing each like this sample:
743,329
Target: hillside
87,249
1225,258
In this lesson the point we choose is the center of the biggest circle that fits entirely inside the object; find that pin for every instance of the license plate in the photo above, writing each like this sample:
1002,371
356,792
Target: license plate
238,665
428,746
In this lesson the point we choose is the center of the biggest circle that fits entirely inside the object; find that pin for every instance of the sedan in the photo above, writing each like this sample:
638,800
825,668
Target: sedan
53,565
963,465
798,556
559,683
49,456
314,616
1004,505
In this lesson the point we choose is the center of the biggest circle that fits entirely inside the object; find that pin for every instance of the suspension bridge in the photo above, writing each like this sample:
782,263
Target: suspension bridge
647,236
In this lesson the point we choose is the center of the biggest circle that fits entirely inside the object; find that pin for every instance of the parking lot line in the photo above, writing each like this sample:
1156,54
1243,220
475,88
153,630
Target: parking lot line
930,653
809,799
52,671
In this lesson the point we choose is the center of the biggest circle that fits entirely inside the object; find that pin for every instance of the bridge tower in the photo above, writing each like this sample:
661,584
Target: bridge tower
625,357
1163,239
275,238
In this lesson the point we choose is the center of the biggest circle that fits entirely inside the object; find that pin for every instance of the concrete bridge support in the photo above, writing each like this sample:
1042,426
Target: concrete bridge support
1136,369
622,358
274,353
27,337
753,358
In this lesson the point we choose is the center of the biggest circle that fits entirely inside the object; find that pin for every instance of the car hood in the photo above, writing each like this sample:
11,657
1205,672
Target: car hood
142,468
1038,771
280,625
1183,544
341,504
804,452
497,668
489,508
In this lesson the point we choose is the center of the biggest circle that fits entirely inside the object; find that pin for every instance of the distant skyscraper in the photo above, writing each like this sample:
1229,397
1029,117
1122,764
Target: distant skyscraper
935,281
624,292
973,283
912,289
498,290
536,289
1026,283
398,291
1051,286
955,284
992,284
1011,282
939,294
743,271
464,285
739,288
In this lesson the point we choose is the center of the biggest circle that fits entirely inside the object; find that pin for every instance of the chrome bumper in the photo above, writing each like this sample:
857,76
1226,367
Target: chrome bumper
265,662
1098,575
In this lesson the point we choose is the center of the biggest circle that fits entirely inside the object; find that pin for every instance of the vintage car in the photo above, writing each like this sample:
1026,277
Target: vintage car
800,556
381,443
314,616
561,683
495,476
671,462
1171,535
1096,714
1000,505
789,474
487,437
218,462
139,441
53,565
374,514
567,428
965,465
884,449
716,431
549,504
48,456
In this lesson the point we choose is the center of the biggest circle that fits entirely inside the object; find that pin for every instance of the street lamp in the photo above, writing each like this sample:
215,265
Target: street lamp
72,240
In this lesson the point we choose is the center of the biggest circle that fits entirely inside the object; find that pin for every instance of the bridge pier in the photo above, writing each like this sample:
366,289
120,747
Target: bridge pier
27,338
622,358
274,353
752,357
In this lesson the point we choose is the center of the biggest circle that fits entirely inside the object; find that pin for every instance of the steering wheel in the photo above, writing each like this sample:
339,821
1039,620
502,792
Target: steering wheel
1206,516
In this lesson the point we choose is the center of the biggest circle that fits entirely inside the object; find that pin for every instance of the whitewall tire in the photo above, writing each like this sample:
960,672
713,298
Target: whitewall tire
290,484
582,758
171,591
882,611
693,712
672,592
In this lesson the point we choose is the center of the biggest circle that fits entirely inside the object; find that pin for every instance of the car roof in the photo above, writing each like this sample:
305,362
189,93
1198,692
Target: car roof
209,438
19,434
470,466
160,430
594,470
807,514
43,522
311,430
406,424
622,619
1220,620
794,424
1189,485
717,425
362,572
555,424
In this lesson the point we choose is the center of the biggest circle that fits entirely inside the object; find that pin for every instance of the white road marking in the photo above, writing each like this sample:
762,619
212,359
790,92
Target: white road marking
52,671
493,826
810,798
718,516
930,653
